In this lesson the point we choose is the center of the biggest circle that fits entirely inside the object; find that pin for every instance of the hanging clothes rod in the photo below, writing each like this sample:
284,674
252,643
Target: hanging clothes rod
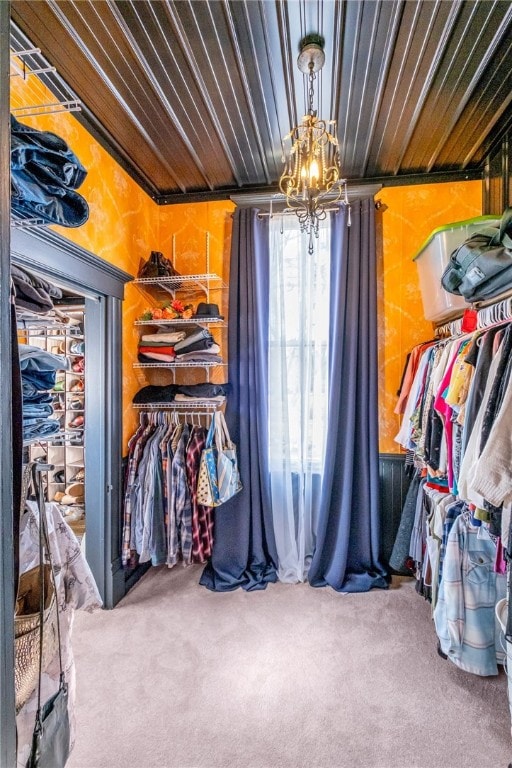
288,211
492,314
175,417
202,406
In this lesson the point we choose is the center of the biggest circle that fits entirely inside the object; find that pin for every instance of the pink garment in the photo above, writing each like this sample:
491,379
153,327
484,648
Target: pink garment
445,411
409,375
500,564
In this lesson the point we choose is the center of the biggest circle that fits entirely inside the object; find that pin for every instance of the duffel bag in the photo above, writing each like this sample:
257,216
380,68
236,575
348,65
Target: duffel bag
481,267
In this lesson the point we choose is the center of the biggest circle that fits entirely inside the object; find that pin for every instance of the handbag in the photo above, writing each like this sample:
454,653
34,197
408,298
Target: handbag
26,631
219,476
27,618
51,737
481,268
157,266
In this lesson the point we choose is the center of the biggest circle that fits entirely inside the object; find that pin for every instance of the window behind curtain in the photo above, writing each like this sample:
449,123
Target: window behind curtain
298,381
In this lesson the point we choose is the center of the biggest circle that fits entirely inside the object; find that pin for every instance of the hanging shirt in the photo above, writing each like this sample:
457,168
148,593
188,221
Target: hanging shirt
470,458
464,616
180,504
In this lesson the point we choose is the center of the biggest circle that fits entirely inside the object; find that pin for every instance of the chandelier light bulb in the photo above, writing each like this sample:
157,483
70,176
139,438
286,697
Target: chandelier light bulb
313,173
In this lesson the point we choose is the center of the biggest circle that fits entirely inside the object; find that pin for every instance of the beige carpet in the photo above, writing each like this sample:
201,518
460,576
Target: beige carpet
180,677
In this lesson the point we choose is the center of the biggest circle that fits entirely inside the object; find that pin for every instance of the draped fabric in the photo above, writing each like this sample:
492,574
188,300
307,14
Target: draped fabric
298,379
244,552
347,546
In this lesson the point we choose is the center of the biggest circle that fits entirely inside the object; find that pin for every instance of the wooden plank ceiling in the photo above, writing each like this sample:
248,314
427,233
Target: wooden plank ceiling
194,96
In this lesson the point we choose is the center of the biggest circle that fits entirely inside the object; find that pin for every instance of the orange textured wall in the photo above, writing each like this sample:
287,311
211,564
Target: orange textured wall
412,213
198,239
123,222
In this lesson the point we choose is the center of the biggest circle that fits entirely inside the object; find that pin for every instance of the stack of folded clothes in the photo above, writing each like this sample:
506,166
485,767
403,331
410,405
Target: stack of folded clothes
38,370
195,344
33,293
44,176
198,346
184,392
159,347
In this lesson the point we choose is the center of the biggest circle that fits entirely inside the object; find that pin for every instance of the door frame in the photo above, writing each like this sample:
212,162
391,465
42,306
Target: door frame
102,284
7,707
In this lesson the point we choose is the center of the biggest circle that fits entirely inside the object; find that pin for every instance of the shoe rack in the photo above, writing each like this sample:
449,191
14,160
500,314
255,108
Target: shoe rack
65,484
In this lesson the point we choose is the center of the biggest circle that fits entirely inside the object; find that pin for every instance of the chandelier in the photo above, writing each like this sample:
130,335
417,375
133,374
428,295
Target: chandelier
311,180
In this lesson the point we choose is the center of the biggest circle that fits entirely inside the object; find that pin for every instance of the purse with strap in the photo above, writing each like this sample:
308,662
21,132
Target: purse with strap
481,268
219,477
27,620
51,737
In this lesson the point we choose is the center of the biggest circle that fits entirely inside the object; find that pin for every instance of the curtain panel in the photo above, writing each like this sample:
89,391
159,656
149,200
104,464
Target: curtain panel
244,551
348,536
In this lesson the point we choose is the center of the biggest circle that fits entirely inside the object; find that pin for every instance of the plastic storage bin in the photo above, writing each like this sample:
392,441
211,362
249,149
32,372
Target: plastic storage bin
432,259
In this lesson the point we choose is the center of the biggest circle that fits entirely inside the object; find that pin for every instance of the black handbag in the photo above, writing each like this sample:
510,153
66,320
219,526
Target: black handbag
157,266
51,737
481,268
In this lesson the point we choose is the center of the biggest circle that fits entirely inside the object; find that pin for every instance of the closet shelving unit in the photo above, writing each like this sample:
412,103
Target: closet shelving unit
184,284
65,449
43,87
201,405
45,93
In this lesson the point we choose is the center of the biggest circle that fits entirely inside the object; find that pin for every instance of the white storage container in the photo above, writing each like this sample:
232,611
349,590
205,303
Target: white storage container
432,259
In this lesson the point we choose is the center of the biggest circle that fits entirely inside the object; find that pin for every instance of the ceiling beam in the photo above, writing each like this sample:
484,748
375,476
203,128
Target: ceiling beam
403,180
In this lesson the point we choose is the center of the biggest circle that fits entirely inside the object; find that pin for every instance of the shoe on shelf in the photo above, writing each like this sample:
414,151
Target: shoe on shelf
60,476
80,476
58,497
78,365
60,349
59,386
58,402
74,515
75,489
77,423
76,404
74,494
70,500
77,385
77,348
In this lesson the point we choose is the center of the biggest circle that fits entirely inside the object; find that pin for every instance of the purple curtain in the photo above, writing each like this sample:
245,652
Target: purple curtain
347,549
244,551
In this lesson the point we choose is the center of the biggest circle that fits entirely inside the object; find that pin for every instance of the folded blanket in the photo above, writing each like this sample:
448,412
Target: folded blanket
161,349
196,336
187,399
196,354
152,357
164,337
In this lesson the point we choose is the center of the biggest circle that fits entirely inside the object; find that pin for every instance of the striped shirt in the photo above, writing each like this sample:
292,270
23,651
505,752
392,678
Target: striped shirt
469,590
